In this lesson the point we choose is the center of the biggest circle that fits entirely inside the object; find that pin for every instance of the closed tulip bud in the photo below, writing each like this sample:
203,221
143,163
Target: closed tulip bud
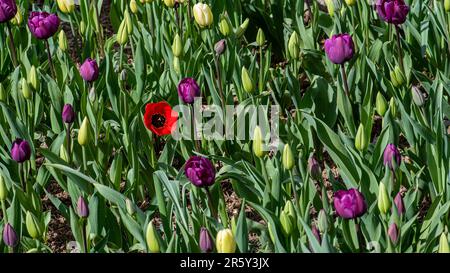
84,132
177,46
169,3
447,5
131,209
258,149
225,25
18,18
66,6
82,208
151,238
2,92
399,204
384,202
133,6
260,37
350,2
289,209
33,78
122,33
394,79
203,15
381,104
63,153
286,223
128,21
330,7
443,244
34,226
399,75
393,107
288,157
316,233
322,221
225,242
62,41
242,28
3,189
418,97
26,91
393,233
247,81
220,47
314,169
361,142
176,65
82,28
205,242
10,236
294,46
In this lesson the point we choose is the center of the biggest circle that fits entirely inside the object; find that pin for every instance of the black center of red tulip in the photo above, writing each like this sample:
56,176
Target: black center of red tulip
158,120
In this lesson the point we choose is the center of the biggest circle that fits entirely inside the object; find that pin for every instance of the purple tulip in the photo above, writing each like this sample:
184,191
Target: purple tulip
8,10
339,48
392,11
391,157
398,201
206,243
9,235
349,204
200,171
82,208
188,89
393,233
21,150
43,25
68,114
314,168
89,70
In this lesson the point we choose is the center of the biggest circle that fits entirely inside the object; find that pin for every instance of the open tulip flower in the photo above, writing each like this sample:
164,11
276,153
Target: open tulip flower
209,126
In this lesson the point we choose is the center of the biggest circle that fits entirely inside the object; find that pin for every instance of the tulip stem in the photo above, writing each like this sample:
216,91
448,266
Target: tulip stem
219,80
344,79
50,62
5,216
11,44
83,150
293,187
359,235
85,245
68,143
400,51
211,207
194,128
21,179
261,72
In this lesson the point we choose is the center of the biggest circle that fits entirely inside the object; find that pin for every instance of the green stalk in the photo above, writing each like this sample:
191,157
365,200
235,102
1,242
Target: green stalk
68,143
293,186
400,51
11,44
83,150
261,72
50,62
5,216
344,79
211,207
85,245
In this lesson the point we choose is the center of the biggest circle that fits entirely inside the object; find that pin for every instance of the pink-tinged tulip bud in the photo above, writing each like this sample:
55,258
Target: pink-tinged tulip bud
316,233
8,10
9,235
20,151
89,70
68,114
339,48
393,233
391,156
43,25
188,90
220,47
392,11
349,204
206,243
314,169
398,201
82,208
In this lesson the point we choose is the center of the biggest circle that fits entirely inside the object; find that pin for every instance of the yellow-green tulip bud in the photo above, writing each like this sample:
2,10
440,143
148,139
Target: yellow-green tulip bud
294,46
131,209
399,76
350,2
122,33
62,41
286,223
330,7
66,6
260,37
82,27
151,237
443,244
394,79
322,221
2,92
84,132
242,28
225,25
3,189
63,153
360,139
288,157
169,3
18,18
381,104
258,142
225,242
34,226
447,5
384,202
247,81
289,210
203,15
177,46
176,65
393,107
133,6
26,91
33,78
129,23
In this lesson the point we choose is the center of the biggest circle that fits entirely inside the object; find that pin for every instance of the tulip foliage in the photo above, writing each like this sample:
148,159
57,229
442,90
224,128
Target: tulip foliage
89,93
